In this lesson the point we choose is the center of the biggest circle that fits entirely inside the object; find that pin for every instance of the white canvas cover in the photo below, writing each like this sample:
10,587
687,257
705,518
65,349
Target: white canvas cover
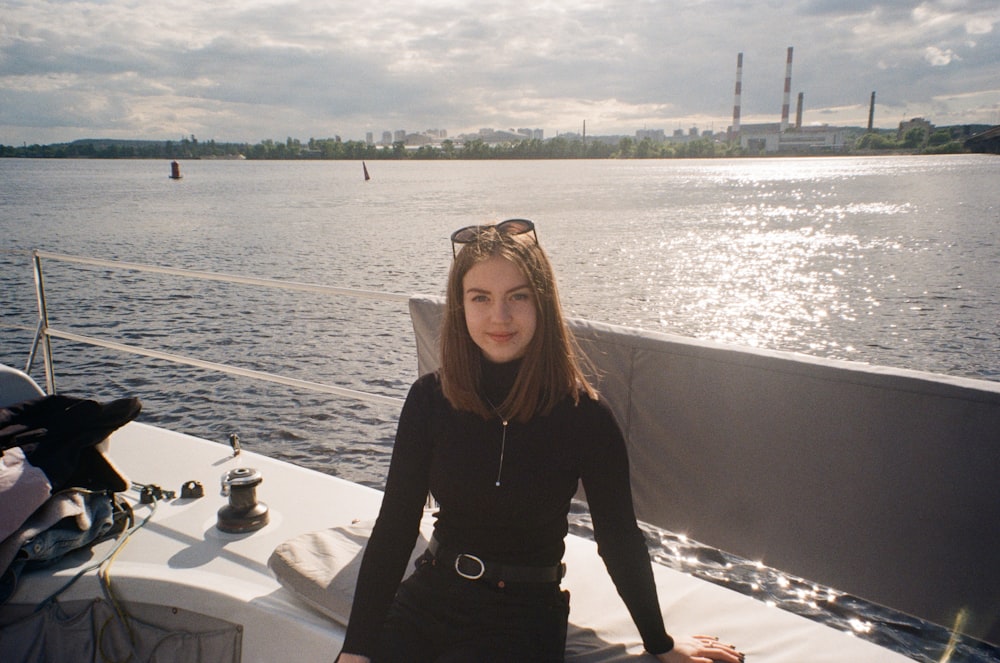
321,568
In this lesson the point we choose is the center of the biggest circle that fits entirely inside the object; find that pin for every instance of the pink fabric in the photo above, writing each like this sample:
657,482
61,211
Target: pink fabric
23,488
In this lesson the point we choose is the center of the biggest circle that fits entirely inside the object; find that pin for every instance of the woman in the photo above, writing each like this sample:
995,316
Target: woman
501,435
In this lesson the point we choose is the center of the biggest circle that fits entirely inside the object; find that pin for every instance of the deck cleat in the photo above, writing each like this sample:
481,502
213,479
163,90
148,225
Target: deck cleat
192,490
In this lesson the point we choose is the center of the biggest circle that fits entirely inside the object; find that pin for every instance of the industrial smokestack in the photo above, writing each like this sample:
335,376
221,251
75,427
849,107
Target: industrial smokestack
871,113
739,91
798,113
788,90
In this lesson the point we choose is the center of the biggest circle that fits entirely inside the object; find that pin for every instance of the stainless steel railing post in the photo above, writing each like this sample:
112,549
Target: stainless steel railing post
42,335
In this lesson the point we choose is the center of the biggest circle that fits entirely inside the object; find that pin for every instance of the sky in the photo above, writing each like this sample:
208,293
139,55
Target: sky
252,70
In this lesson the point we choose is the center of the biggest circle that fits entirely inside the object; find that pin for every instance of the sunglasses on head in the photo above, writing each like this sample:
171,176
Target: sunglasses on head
510,227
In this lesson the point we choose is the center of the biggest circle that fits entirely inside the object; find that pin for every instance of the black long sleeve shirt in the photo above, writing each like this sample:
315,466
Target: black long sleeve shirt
523,521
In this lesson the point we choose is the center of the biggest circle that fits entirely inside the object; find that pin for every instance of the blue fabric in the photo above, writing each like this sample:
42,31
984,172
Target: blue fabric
62,538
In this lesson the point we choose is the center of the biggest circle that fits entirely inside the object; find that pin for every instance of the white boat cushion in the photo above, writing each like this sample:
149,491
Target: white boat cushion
321,568
16,386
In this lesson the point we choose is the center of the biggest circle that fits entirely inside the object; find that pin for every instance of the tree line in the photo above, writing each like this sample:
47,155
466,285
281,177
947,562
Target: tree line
940,141
560,147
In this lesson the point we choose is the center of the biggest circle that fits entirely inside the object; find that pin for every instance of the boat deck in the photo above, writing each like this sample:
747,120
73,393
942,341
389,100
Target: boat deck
179,558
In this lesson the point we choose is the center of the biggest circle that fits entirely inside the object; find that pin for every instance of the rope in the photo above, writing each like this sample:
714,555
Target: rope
103,567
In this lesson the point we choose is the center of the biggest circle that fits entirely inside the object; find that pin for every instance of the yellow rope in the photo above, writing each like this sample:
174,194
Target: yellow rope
104,576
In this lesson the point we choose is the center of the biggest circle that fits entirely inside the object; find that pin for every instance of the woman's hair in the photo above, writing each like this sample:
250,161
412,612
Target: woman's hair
551,367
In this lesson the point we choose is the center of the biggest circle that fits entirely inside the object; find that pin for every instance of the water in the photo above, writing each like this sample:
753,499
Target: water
891,261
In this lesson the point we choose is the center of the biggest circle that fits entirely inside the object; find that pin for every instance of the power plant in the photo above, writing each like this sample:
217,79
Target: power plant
782,136
739,90
788,90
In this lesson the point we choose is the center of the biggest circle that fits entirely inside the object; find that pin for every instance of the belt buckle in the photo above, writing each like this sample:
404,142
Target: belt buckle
469,576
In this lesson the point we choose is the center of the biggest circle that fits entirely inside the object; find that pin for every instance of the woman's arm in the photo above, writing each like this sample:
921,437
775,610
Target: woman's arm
391,542
604,471
605,474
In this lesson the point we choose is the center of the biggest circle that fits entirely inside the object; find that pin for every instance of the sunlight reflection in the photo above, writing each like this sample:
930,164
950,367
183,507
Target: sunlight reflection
766,273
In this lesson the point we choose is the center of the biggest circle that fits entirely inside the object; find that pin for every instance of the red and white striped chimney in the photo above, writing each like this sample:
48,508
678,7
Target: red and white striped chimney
739,91
788,90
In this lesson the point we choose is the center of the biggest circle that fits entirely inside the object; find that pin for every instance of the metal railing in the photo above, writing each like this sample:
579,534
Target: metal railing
45,332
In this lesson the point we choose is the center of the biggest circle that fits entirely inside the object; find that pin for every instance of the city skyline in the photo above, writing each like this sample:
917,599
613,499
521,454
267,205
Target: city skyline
263,69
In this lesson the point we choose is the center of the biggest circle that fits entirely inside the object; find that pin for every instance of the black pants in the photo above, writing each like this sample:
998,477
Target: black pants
440,617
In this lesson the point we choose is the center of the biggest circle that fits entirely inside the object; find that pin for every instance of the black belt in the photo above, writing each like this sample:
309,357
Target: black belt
471,567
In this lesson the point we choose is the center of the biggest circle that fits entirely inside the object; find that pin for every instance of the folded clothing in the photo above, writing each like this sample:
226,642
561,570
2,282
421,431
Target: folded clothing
61,436
70,520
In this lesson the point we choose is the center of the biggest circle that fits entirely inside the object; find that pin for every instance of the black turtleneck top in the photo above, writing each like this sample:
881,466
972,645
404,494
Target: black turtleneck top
456,456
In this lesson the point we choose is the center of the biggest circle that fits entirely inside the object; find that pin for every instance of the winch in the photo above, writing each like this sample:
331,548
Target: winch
243,513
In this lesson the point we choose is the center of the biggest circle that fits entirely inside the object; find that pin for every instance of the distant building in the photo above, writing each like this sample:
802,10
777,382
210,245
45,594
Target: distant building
499,136
655,135
813,139
369,138
387,138
770,138
399,136
531,134
692,134
416,140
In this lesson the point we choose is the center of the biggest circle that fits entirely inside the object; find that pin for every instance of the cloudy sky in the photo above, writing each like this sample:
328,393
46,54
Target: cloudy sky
253,69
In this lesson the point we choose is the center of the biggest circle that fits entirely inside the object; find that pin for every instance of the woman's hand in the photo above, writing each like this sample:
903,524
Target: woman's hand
701,649
352,658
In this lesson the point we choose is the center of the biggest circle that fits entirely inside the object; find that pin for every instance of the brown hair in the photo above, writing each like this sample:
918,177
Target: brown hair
551,367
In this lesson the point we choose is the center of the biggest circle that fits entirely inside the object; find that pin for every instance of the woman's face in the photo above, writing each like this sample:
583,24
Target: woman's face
499,309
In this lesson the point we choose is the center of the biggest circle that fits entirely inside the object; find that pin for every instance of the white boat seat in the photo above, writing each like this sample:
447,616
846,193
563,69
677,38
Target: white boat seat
321,568
16,386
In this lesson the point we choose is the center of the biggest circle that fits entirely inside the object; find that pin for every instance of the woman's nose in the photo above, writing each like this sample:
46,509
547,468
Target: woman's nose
501,311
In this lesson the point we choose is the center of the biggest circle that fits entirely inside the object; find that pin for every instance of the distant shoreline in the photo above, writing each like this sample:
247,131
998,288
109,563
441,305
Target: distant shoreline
504,157
882,142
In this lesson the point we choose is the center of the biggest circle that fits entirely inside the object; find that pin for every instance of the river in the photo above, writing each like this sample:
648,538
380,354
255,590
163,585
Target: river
892,261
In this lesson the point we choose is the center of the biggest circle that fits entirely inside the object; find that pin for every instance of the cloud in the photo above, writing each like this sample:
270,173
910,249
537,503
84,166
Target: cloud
979,25
939,57
310,68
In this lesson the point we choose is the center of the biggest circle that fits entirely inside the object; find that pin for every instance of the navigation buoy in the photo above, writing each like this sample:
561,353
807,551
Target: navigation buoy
365,169
175,171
